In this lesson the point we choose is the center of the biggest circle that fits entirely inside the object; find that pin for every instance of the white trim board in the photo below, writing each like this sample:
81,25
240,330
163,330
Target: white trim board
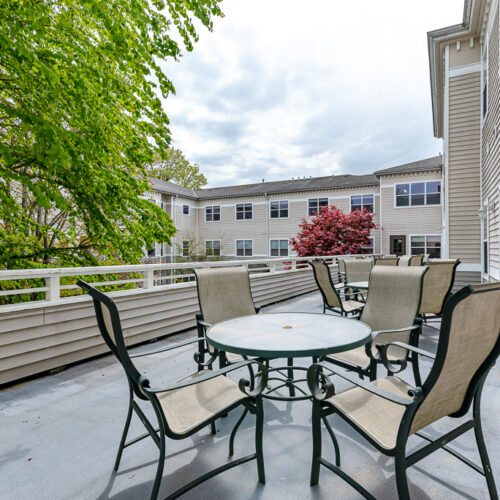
469,267
465,69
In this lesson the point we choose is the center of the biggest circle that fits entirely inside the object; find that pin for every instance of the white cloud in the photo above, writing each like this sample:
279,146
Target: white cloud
287,88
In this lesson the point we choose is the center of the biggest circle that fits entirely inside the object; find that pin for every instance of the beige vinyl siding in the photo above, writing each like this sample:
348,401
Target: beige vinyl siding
463,168
50,336
422,220
491,153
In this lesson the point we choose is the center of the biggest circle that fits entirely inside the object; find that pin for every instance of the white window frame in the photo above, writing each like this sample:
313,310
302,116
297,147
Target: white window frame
236,211
372,238
410,236
317,200
363,200
213,241
188,210
236,247
279,247
425,205
279,209
212,207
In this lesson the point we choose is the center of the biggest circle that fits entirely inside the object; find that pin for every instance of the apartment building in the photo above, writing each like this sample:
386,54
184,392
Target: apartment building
258,220
465,84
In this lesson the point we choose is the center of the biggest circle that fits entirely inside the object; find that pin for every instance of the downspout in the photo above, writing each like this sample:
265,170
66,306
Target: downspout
268,244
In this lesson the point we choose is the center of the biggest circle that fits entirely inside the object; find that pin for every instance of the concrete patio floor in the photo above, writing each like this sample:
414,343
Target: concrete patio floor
59,435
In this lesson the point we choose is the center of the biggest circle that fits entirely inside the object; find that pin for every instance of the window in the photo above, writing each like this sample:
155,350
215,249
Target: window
185,209
362,202
279,248
243,211
212,214
279,209
370,248
185,248
426,244
418,194
244,248
152,252
315,205
212,248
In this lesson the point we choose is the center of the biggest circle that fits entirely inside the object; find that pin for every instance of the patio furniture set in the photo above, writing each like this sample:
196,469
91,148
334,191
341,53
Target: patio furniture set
380,308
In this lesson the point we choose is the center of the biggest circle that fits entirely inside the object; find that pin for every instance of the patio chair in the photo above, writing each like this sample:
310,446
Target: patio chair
331,298
388,410
388,260
391,308
405,260
438,283
357,270
223,293
417,260
185,407
341,270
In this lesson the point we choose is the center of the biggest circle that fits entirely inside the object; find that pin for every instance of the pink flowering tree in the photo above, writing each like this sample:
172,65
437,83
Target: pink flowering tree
333,232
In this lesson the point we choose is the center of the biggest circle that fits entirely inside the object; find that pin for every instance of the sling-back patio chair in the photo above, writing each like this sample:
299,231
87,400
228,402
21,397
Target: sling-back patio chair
388,260
417,260
182,408
388,410
391,308
356,270
331,297
404,260
438,283
223,293
341,270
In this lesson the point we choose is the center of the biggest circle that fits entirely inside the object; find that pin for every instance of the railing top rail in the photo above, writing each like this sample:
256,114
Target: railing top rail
140,268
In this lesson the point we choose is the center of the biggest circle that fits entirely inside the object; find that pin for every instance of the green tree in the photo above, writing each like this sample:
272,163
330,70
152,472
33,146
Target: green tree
80,116
174,167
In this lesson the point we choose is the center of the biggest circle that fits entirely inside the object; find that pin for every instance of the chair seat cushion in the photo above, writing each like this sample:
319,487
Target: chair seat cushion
232,357
339,286
377,417
191,406
352,305
355,356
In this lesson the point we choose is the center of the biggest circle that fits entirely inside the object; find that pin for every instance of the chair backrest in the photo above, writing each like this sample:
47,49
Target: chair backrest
438,283
469,344
404,260
341,264
357,269
393,300
224,293
108,321
417,260
390,260
325,284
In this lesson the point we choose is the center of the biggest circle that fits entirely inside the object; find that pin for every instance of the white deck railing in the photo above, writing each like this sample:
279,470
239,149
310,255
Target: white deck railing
142,275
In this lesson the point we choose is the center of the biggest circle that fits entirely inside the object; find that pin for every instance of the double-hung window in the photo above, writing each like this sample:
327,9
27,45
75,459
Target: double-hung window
244,248
279,209
212,213
362,202
315,205
279,248
370,248
185,209
244,211
212,248
426,245
416,194
185,248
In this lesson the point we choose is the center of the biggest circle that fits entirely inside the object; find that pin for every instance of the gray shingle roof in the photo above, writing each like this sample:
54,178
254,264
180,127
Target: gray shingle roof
170,188
434,163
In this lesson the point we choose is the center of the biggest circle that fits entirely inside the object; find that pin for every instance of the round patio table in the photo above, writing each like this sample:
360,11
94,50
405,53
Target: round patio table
288,335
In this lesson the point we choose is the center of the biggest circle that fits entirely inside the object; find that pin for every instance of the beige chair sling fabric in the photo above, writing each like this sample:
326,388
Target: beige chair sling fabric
224,293
417,260
393,300
437,284
386,261
357,270
404,260
323,280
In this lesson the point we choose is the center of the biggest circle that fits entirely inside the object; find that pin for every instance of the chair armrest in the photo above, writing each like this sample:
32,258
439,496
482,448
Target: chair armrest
375,334
167,348
322,393
209,374
203,323
383,350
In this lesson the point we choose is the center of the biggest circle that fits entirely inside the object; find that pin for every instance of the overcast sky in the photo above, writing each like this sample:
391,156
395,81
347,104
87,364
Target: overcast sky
287,88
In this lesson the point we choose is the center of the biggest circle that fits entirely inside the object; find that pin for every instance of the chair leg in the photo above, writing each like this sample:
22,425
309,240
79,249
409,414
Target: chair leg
159,470
485,461
316,435
259,431
401,479
233,432
372,371
213,429
416,370
124,434
290,376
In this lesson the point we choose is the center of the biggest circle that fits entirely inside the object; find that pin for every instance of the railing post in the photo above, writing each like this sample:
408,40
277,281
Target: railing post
53,293
294,265
272,267
149,275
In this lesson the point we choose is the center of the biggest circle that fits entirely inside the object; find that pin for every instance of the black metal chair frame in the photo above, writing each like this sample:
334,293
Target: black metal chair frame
371,371
322,388
341,311
140,389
